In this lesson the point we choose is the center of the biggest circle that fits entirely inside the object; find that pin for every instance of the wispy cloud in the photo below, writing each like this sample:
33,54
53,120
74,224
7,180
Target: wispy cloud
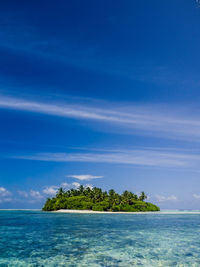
197,196
134,119
30,196
151,158
36,195
76,185
5,195
84,177
166,198
23,193
89,57
50,190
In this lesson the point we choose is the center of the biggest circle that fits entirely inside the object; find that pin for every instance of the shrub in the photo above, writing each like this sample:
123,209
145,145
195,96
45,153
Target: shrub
115,208
97,207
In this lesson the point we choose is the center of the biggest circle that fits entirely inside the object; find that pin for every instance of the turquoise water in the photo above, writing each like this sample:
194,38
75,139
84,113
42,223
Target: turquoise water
34,238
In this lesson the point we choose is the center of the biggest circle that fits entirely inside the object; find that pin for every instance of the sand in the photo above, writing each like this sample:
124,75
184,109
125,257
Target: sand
121,212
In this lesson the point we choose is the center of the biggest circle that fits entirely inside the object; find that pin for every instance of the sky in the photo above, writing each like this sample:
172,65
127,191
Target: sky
100,93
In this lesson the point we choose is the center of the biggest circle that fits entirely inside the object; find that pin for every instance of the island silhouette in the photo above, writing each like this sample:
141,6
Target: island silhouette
95,199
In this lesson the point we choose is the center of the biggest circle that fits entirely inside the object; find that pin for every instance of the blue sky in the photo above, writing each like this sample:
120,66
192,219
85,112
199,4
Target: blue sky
101,93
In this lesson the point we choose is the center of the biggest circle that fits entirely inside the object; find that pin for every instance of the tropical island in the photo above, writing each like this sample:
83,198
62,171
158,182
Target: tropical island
94,199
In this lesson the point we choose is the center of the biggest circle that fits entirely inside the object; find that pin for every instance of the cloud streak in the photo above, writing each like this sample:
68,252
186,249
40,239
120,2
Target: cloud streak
53,189
151,158
151,120
166,198
36,195
84,177
5,195
197,196
50,190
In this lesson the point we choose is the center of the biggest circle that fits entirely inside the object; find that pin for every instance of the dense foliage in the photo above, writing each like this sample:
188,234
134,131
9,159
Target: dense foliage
86,198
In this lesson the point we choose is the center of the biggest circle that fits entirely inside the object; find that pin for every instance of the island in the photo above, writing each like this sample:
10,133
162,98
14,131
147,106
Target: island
94,199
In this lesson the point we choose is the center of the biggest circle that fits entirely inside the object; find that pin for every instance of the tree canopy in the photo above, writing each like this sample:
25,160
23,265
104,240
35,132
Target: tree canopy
86,198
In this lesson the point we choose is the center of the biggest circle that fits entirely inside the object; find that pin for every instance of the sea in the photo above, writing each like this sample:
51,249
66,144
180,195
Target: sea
36,238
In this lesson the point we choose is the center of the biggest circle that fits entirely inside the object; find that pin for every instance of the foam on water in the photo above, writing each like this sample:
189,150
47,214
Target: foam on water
33,238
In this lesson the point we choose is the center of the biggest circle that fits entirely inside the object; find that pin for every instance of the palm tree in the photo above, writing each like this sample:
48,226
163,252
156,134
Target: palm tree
111,193
81,189
105,195
87,191
127,197
142,196
116,199
73,192
97,194
60,192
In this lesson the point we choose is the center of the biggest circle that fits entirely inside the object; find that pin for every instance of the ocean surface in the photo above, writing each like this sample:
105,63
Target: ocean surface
34,238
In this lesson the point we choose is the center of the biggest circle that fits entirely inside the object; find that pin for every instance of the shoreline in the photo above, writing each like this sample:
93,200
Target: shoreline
175,211
124,212
95,212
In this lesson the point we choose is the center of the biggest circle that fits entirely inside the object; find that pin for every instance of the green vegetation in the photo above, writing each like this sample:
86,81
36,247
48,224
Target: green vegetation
85,198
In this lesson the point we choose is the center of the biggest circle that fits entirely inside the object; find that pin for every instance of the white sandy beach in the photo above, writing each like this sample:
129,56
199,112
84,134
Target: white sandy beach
121,212
93,212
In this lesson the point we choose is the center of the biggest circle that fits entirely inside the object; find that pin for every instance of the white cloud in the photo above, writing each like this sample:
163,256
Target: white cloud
76,185
197,196
51,190
148,197
36,195
65,185
4,192
5,195
164,198
168,122
84,177
5,199
22,193
88,185
140,157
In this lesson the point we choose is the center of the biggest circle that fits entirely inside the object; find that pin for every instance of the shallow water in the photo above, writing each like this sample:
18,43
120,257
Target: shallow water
34,238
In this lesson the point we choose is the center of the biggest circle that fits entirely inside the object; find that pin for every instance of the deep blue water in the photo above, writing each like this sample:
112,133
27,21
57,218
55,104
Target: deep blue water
34,238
